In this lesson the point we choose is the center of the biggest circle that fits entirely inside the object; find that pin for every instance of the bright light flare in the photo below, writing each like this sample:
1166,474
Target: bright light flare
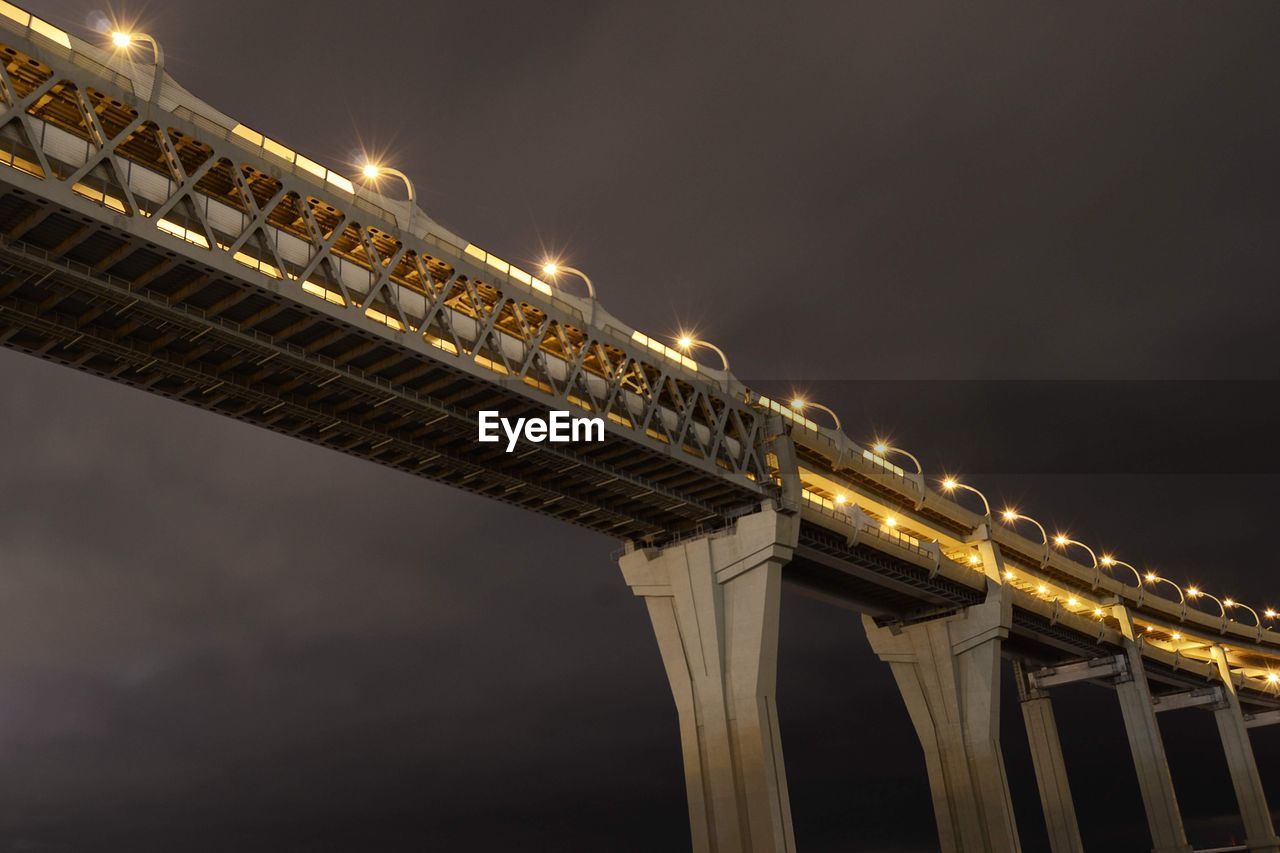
1061,540
121,39
1152,577
371,170
551,268
1193,591
1107,560
1273,677
1270,614
949,484
684,342
1175,636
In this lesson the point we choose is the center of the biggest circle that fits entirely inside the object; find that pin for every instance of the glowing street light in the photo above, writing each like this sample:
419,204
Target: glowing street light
950,484
1156,580
371,172
1196,592
1062,541
884,448
374,171
1012,516
687,343
1110,561
1257,621
800,404
554,268
124,40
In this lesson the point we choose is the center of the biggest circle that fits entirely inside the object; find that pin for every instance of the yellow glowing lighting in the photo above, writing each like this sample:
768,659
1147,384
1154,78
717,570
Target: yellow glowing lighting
880,447
551,268
1192,591
1072,602
891,521
1176,636
120,39
949,484
1060,540
685,342
799,403
1042,589
371,170
1008,575
974,559
1273,677
1097,611
1010,515
1150,628
841,499
1270,614
1228,602
1107,560
1152,577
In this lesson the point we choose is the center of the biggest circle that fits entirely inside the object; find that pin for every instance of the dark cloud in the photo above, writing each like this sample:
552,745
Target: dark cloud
215,638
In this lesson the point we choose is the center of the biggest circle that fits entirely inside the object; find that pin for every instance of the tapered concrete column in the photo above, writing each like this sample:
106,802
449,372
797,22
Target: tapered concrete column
948,671
1164,818
714,605
1051,769
1259,831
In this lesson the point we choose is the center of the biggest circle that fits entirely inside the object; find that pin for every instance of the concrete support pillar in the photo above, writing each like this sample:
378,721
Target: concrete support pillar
714,605
1164,818
948,671
1051,769
1260,833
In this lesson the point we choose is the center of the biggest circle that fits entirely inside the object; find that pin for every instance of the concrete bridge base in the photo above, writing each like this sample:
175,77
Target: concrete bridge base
1051,769
948,671
1164,818
714,605
1259,831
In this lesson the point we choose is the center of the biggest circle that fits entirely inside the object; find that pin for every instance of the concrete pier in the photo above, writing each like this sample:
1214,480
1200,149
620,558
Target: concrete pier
714,605
948,671
1260,833
1051,769
1164,818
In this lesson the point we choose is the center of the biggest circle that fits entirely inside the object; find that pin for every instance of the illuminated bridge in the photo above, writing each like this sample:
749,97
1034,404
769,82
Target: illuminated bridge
147,238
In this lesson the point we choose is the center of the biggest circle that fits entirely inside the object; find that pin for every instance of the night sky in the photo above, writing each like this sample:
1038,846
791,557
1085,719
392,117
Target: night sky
1033,242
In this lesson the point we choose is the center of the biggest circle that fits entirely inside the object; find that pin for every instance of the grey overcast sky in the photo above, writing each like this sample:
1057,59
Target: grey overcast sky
215,639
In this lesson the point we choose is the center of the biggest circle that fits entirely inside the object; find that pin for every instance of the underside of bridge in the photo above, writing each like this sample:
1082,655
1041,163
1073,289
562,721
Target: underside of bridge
80,293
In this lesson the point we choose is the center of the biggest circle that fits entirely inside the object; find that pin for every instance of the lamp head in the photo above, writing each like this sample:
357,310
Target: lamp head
1107,560
1228,602
121,39
551,268
1270,614
1061,540
881,447
1152,577
371,170
949,484
684,342
1009,515
1193,592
